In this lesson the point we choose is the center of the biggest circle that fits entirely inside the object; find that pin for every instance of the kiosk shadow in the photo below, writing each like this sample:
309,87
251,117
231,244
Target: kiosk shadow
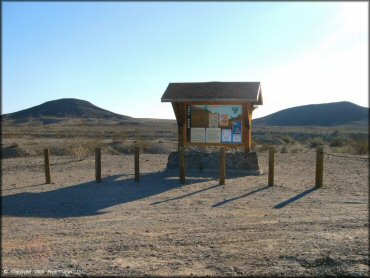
295,198
90,198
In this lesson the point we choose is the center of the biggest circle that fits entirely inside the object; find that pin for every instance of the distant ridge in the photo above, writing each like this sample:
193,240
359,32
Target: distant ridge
65,108
325,114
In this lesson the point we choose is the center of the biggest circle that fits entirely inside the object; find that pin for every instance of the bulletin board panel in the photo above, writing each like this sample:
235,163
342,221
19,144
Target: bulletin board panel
215,124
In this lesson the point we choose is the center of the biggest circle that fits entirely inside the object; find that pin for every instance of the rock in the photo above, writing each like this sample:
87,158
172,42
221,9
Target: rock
196,160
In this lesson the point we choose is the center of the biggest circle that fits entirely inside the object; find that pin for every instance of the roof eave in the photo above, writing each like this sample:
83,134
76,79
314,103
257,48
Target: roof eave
211,100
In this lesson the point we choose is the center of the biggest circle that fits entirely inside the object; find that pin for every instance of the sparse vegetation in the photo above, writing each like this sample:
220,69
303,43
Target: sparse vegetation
78,138
361,147
337,142
315,142
284,149
287,139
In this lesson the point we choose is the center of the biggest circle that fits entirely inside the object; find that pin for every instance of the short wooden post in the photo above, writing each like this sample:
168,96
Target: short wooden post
271,166
182,164
137,171
222,166
47,166
98,164
319,167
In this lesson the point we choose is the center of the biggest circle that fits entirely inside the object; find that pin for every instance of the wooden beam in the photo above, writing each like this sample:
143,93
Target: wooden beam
178,109
184,142
249,131
247,128
182,164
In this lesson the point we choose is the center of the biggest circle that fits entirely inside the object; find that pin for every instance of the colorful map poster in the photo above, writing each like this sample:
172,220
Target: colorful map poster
207,123
237,127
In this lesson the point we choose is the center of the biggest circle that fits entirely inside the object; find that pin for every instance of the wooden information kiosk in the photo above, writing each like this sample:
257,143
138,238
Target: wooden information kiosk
214,113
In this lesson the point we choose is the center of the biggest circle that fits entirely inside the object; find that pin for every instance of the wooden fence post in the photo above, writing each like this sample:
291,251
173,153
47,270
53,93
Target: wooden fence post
98,164
222,166
47,166
182,164
137,171
271,166
319,166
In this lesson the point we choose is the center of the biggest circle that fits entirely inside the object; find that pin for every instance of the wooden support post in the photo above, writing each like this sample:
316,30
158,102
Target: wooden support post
179,137
319,167
47,166
271,166
137,171
98,164
247,111
222,166
182,164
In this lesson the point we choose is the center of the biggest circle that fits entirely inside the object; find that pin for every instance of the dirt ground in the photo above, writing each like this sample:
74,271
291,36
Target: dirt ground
76,226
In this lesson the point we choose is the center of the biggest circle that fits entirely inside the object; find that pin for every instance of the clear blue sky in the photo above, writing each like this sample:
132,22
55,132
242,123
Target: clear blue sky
122,55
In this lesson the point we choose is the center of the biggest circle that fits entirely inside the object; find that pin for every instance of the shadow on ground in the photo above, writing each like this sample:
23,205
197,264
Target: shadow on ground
239,197
90,198
295,198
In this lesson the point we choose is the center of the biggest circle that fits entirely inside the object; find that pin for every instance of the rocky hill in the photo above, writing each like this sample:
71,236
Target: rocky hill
325,114
64,108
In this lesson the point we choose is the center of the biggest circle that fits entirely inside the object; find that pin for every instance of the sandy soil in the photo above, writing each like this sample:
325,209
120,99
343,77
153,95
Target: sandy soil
159,227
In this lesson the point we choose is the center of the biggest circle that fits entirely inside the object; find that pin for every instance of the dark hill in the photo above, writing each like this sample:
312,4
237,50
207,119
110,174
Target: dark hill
325,114
65,108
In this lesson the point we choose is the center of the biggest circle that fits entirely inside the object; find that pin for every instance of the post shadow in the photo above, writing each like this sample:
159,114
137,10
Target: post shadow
186,195
295,198
89,198
239,197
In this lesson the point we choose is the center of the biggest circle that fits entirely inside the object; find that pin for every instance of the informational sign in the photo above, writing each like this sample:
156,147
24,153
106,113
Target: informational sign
236,138
213,135
198,134
223,120
214,124
237,127
188,122
226,136
213,120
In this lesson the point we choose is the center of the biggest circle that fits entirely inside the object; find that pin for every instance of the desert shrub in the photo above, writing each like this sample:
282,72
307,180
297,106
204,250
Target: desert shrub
144,145
83,149
335,133
355,147
259,146
287,139
360,147
120,137
263,148
315,142
284,149
337,142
